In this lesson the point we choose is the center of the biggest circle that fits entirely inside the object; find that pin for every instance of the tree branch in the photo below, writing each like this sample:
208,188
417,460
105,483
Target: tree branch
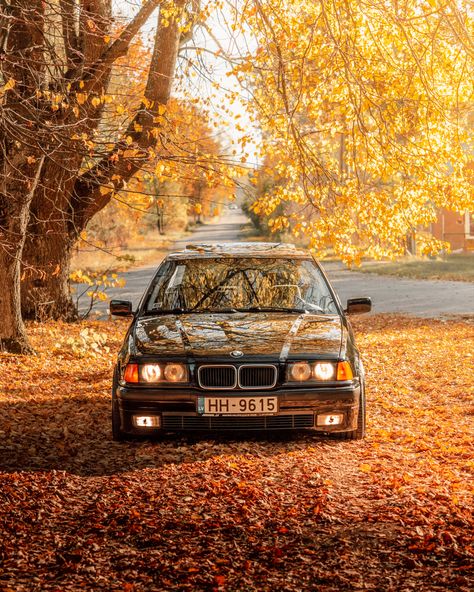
191,17
87,197
70,37
120,46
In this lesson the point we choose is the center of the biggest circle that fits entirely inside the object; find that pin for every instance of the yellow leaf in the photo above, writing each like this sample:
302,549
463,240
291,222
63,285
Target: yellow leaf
81,98
365,468
8,86
95,101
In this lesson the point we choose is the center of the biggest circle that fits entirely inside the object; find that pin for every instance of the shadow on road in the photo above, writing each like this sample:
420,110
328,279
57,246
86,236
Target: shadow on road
73,435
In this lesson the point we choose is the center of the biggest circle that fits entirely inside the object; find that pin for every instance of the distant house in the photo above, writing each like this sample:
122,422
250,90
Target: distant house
455,228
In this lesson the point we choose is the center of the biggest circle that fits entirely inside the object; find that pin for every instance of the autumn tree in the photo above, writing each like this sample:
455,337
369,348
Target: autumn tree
82,195
363,109
192,170
56,66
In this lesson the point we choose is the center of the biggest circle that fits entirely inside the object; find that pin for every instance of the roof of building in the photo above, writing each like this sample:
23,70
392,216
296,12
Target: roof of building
236,249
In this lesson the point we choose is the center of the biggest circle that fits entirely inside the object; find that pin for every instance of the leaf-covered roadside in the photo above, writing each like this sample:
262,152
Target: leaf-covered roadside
78,511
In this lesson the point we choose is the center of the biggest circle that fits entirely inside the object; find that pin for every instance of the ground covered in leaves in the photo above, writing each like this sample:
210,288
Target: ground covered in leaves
391,513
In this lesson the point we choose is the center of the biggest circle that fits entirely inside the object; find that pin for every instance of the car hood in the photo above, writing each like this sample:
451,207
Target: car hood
276,335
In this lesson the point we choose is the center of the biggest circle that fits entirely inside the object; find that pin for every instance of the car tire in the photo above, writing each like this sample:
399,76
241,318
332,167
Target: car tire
359,432
117,434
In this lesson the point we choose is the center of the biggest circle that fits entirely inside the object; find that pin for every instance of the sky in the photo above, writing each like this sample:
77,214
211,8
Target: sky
209,75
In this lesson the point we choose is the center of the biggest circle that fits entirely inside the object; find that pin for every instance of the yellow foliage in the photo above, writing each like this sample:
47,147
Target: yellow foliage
364,113
104,189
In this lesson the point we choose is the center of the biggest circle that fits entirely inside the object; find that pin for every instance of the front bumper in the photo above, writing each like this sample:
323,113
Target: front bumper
298,409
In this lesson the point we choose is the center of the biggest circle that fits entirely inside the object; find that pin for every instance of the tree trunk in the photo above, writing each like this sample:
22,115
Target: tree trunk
16,191
45,291
13,337
50,238
22,67
66,201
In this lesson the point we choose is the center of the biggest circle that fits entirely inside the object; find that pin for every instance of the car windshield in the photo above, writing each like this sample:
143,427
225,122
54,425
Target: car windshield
240,285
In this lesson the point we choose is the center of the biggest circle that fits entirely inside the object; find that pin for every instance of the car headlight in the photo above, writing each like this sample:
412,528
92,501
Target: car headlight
152,373
175,372
319,371
323,371
300,371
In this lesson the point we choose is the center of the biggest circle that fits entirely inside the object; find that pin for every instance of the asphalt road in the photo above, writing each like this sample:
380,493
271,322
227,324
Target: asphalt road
422,298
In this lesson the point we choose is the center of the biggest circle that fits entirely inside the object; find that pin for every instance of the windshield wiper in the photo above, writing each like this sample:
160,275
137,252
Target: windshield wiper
178,311
217,310
166,311
272,309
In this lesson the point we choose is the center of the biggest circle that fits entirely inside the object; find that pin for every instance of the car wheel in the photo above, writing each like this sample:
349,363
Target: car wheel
117,434
359,432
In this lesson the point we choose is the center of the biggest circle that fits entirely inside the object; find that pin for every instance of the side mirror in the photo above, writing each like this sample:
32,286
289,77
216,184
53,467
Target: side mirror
358,305
121,308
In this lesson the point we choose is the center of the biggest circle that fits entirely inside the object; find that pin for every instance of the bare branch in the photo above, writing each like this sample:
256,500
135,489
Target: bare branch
70,36
87,197
121,44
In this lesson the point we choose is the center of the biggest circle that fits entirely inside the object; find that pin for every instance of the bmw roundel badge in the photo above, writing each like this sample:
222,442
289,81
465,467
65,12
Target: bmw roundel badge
236,353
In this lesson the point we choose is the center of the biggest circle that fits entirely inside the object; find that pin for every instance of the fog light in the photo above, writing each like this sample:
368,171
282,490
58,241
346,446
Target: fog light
146,421
330,419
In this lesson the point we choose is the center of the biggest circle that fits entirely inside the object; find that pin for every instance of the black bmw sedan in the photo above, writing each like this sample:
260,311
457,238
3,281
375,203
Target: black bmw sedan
239,336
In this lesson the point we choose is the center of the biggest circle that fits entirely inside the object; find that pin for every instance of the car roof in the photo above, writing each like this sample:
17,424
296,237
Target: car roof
240,249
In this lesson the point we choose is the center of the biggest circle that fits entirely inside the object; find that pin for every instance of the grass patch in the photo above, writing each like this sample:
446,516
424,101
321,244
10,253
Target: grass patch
455,267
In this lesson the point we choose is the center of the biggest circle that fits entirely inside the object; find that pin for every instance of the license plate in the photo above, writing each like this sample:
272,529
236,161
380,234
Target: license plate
238,405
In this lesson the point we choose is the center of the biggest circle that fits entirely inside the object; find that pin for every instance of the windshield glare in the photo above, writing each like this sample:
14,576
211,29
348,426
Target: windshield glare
239,284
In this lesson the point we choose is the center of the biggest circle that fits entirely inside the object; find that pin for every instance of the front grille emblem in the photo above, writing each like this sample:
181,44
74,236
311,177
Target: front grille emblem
236,353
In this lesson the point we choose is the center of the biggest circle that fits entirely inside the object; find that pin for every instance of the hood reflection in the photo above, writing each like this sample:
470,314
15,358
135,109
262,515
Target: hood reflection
278,335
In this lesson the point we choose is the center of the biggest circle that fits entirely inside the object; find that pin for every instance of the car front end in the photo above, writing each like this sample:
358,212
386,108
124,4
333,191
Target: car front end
218,395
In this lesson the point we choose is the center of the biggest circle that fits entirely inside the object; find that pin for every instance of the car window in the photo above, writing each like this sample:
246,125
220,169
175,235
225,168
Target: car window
239,284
